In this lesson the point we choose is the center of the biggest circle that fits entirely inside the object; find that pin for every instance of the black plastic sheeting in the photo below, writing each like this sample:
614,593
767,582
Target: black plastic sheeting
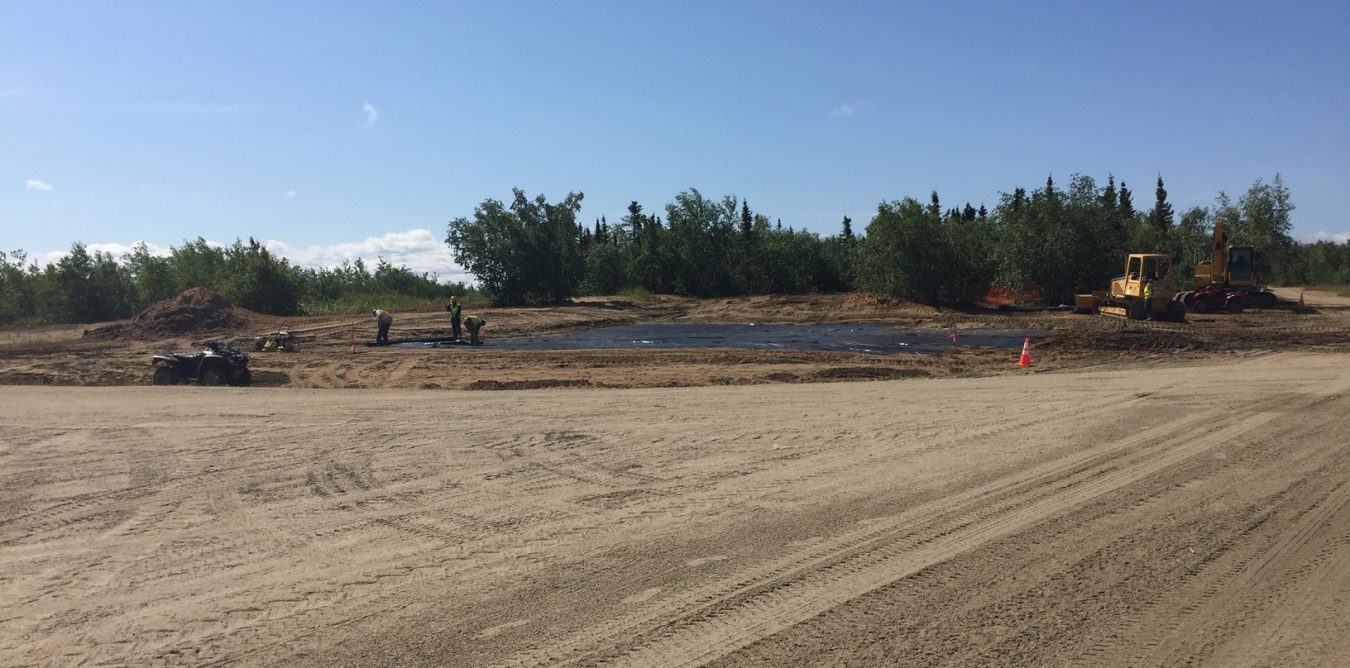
880,339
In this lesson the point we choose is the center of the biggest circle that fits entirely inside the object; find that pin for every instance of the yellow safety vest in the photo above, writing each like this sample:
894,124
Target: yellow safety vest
1148,291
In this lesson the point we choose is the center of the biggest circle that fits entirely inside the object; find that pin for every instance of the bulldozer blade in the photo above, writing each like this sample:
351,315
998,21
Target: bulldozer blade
1114,311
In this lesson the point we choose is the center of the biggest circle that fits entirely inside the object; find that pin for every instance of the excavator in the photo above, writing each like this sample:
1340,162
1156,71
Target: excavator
1229,274
1126,298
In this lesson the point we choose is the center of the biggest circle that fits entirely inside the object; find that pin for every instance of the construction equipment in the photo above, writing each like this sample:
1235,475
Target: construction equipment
217,365
1214,298
282,340
1126,299
1230,271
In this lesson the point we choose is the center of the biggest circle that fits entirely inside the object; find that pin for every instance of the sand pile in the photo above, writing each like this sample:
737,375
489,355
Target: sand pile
196,310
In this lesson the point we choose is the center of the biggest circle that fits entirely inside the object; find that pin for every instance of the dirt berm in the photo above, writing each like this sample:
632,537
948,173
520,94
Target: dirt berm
197,310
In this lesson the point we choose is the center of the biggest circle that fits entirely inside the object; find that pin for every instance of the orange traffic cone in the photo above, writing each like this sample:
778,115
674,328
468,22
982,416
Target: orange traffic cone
1300,298
1026,353
353,347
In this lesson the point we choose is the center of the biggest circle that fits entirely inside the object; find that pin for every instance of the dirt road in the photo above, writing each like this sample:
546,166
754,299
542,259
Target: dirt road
1141,516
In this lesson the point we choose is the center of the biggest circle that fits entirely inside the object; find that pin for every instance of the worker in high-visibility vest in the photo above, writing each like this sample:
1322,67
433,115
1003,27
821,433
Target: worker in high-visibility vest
454,309
474,323
385,320
1148,298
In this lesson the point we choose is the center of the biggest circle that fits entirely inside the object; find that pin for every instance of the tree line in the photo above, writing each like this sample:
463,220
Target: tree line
86,286
1048,243
1045,244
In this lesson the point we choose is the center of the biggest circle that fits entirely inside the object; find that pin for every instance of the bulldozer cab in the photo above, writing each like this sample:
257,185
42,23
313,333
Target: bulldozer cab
1155,268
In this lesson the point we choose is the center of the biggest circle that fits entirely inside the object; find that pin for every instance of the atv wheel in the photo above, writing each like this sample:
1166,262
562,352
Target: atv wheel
1188,299
211,377
1201,306
164,376
245,379
1235,306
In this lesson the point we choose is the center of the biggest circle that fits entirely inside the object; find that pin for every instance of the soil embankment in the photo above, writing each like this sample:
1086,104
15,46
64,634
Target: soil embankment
119,354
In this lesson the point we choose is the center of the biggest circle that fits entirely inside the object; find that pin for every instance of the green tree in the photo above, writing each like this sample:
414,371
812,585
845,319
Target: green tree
1057,243
604,274
703,235
260,281
1161,216
197,263
529,253
153,275
906,253
18,287
1125,207
83,287
1261,218
1192,240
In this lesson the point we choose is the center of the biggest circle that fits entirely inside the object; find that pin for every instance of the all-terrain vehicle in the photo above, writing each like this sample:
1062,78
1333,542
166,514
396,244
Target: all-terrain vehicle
217,365
1214,298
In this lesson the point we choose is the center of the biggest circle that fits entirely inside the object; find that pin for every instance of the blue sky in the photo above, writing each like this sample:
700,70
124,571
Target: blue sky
340,129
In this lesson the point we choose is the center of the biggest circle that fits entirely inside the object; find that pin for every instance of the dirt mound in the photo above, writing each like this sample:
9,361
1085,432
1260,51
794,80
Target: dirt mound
1132,341
195,311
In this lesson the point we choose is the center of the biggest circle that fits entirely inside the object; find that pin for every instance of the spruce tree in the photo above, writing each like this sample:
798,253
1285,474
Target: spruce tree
1109,199
1125,209
968,213
634,220
1161,217
848,228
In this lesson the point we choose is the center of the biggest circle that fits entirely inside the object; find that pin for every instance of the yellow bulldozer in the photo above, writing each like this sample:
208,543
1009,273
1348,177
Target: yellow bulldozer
1145,273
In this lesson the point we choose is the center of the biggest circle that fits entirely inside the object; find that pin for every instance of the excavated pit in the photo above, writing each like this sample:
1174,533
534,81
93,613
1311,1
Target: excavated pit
877,339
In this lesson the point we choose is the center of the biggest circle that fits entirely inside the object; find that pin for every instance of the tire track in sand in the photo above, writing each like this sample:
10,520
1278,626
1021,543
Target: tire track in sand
1287,555
706,623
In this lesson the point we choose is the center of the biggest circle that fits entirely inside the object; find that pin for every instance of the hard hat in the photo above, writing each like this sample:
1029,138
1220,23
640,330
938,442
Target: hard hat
374,311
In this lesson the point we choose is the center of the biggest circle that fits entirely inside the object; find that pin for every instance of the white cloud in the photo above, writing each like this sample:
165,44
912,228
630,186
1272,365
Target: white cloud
1338,237
290,193
848,109
371,114
34,184
419,250
117,251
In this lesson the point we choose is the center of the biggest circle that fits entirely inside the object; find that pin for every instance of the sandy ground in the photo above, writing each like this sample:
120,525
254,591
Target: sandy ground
59,356
1148,515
